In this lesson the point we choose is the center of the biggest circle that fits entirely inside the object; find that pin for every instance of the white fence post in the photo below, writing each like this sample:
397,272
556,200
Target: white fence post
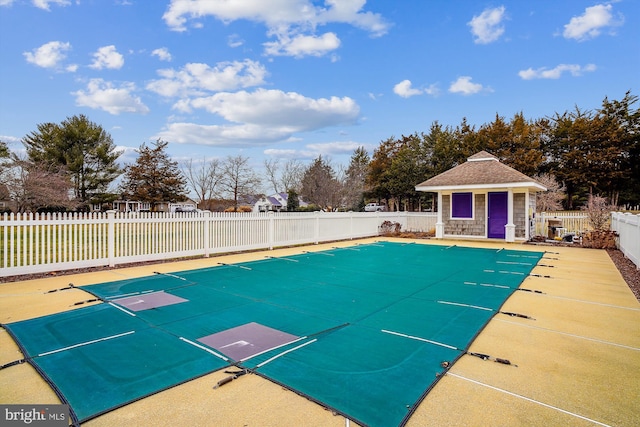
271,231
351,226
627,226
637,241
111,237
206,227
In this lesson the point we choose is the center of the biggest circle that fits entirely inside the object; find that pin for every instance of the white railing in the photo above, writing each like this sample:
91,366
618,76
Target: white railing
36,243
627,226
571,222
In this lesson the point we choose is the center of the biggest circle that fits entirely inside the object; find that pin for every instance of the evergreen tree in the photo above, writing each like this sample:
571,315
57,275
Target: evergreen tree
319,184
154,177
4,150
292,201
406,169
622,128
83,148
516,143
377,174
355,179
442,149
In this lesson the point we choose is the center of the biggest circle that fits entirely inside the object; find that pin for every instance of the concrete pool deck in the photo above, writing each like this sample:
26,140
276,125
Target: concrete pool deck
577,362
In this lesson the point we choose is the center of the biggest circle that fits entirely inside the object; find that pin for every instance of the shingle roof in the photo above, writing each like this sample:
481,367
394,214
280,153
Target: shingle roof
274,201
480,170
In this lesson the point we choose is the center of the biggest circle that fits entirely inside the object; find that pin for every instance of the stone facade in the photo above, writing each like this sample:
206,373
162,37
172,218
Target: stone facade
520,214
476,227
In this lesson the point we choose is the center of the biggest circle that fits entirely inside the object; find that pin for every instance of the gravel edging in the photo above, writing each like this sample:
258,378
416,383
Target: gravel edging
630,273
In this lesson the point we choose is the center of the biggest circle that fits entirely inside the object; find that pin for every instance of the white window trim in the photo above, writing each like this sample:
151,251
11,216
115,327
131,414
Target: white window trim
473,206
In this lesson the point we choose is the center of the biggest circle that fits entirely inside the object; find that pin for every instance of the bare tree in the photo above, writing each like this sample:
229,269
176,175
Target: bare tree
550,200
35,185
204,178
271,166
598,211
291,177
239,178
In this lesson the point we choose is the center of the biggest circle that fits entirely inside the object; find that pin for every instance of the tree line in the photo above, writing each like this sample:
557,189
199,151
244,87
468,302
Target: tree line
575,154
579,153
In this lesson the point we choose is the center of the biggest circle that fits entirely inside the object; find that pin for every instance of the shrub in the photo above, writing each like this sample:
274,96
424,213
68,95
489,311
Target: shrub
599,215
598,212
389,228
309,208
239,209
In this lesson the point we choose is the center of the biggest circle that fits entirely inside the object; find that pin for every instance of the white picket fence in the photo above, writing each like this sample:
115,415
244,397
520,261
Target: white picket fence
36,243
570,222
628,227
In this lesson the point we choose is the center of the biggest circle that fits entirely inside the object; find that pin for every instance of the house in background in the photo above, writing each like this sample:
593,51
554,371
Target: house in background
274,203
484,198
136,206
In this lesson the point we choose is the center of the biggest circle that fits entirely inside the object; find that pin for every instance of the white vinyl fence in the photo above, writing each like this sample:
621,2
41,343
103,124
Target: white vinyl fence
36,243
628,227
570,222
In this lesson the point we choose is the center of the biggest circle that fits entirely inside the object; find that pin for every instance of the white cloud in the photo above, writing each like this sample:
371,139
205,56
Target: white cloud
432,89
283,109
40,4
300,45
260,117
162,54
276,13
128,155
292,22
44,4
10,139
555,73
107,57
590,23
283,153
49,55
331,148
350,12
220,135
103,95
464,86
312,151
234,40
486,27
405,90
196,78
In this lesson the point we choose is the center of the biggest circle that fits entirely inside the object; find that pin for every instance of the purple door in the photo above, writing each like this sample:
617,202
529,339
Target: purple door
497,215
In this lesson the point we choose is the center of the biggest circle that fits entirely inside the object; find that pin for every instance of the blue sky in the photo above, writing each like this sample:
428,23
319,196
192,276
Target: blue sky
298,78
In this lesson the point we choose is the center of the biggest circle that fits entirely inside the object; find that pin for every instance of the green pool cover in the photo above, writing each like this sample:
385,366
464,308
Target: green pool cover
373,325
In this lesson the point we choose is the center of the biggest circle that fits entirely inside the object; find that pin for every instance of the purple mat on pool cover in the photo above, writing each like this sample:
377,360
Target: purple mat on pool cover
245,341
147,301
